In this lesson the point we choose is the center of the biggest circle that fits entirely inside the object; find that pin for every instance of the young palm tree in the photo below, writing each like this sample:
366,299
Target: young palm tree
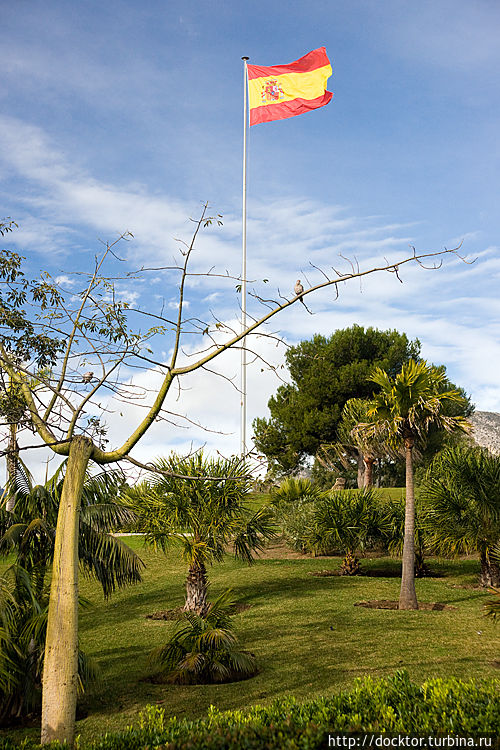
204,648
349,520
461,492
205,514
404,409
293,490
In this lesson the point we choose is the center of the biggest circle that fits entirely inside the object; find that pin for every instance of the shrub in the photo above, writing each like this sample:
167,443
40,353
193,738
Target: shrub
391,705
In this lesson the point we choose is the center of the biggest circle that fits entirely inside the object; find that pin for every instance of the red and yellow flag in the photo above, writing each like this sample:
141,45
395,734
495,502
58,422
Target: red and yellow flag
288,90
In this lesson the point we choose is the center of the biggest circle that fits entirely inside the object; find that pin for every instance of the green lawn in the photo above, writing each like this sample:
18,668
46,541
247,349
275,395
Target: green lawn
305,631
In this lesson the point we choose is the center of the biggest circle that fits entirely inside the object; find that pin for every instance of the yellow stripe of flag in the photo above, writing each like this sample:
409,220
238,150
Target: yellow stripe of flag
310,85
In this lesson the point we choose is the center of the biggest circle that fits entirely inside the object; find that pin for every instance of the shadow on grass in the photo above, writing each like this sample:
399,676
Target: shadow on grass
137,605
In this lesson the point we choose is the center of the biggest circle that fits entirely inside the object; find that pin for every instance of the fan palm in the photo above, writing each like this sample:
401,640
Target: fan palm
204,648
348,520
461,492
293,490
404,409
204,505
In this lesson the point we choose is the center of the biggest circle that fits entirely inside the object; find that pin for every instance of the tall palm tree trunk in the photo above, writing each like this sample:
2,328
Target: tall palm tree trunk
196,589
60,671
408,596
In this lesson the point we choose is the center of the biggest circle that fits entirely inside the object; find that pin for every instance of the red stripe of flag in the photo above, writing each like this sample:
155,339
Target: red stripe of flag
282,110
315,59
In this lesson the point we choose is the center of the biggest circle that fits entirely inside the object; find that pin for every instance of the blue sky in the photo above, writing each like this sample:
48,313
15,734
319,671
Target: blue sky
125,116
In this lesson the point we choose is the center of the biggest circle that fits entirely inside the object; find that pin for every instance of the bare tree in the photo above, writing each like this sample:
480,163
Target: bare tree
88,341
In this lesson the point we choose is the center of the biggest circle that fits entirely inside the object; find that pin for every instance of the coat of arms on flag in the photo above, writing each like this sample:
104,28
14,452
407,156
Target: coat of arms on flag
271,91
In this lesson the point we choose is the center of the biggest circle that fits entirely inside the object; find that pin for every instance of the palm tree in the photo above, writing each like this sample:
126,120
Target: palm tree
28,532
204,505
370,445
204,648
349,520
29,529
23,618
14,410
461,492
293,490
404,409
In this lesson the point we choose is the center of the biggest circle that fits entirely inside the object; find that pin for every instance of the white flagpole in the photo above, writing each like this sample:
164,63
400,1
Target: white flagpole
243,428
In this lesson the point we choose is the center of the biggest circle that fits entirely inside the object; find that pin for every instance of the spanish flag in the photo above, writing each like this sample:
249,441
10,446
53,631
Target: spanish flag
288,90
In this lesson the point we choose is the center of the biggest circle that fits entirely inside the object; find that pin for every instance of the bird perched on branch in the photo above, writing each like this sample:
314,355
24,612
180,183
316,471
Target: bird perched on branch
87,377
299,290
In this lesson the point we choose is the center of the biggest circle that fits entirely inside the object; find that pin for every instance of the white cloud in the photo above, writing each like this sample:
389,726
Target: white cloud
64,280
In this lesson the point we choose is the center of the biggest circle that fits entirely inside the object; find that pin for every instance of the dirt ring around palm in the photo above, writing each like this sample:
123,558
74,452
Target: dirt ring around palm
178,612
388,604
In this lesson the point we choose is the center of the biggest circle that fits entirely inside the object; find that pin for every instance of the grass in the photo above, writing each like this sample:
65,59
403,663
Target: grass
305,631
391,493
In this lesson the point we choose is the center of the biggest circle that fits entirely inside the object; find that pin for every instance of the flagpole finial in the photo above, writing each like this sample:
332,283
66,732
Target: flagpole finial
245,58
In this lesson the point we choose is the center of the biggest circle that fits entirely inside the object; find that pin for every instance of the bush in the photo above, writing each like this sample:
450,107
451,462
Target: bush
392,705
336,521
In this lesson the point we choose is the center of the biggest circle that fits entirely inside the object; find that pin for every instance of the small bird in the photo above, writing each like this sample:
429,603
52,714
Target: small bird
87,377
299,289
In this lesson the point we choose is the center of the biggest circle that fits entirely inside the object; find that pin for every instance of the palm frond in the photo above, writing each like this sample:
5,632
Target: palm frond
108,559
107,516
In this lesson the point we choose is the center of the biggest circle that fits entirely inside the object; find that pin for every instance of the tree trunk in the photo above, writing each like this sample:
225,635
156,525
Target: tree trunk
12,457
60,669
350,565
368,480
196,589
361,471
408,596
490,571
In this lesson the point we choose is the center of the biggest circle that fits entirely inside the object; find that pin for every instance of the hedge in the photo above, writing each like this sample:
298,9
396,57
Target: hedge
388,706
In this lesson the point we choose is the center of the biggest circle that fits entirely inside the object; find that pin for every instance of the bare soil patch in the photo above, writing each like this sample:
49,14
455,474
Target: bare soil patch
279,550
177,612
375,573
388,604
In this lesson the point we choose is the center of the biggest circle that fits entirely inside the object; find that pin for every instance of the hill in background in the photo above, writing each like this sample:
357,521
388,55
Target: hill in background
486,430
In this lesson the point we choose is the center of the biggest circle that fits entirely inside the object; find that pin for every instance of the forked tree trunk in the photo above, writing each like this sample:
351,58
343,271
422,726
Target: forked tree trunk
490,571
368,479
60,669
408,596
196,589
